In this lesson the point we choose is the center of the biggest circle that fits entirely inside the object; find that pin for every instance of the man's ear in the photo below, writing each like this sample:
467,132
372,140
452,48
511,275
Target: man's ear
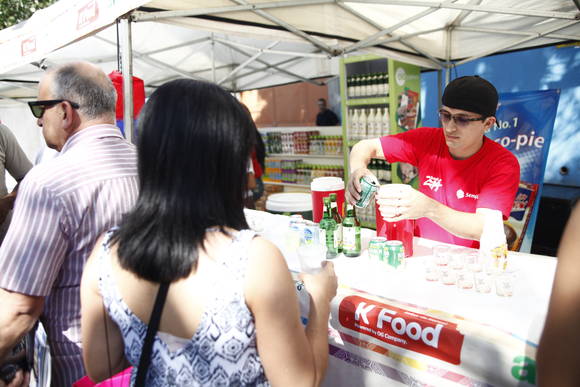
489,123
68,116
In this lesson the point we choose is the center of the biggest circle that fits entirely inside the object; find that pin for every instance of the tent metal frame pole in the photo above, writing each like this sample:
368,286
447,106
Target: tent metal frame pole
246,63
474,8
265,68
277,52
265,76
370,22
148,16
288,73
12,99
439,89
449,36
402,37
154,62
518,33
317,42
166,79
213,74
127,69
176,46
373,39
516,43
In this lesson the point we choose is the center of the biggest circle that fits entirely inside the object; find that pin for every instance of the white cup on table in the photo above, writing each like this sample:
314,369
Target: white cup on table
310,257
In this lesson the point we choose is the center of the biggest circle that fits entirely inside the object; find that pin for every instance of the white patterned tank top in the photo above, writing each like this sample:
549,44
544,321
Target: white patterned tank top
222,352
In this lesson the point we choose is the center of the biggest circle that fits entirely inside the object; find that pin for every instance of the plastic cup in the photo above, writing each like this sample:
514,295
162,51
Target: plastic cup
403,230
465,280
447,275
310,257
456,258
505,282
472,262
441,255
483,282
431,272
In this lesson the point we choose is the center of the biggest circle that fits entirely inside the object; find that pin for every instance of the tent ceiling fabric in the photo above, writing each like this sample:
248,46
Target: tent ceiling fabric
247,44
481,21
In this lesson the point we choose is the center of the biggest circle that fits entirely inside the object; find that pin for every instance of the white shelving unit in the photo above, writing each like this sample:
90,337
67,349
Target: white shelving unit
286,184
329,159
304,156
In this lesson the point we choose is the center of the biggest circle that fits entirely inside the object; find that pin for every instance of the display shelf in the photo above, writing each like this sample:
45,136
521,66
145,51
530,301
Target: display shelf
402,98
289,129
285,184
299,156
368,101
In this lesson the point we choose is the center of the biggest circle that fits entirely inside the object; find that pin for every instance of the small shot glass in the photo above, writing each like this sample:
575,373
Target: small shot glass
441,255
431,271
483,282
472,262
505,282
456,258
447,275
465,280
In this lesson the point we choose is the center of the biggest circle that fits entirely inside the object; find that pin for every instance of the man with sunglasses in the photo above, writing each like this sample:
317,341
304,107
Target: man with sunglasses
461,171
63,205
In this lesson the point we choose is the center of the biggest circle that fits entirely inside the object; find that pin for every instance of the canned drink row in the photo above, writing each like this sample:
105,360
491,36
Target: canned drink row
306,231
390,252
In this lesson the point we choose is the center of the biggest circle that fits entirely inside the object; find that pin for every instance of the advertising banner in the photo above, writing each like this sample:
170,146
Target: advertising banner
56,26
376,341
404,88
524,126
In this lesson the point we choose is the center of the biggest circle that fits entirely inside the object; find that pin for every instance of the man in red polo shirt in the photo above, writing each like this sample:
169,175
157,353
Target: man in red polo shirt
461,171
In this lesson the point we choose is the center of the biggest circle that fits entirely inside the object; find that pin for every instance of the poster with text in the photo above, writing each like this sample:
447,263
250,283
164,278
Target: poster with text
525,121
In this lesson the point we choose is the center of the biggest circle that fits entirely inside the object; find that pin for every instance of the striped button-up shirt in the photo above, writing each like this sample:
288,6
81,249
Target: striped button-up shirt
62,207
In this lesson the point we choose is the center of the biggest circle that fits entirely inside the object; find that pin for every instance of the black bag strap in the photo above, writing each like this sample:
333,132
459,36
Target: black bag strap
151,331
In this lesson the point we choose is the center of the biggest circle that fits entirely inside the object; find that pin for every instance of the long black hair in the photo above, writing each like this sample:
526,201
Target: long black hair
193,150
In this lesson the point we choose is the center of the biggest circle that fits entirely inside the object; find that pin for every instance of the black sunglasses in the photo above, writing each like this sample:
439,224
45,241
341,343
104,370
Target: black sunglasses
460,120
38,107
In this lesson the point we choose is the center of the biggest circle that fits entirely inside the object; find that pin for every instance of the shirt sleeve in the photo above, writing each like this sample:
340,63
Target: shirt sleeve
35,247
16,162
405,147
499,190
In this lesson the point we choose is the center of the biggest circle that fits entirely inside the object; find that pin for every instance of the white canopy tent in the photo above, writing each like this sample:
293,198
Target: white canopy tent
247,44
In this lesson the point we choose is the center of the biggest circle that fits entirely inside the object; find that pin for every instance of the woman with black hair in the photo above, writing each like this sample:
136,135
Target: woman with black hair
231,313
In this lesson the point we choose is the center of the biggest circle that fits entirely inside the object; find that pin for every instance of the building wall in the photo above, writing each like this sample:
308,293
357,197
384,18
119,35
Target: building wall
287,105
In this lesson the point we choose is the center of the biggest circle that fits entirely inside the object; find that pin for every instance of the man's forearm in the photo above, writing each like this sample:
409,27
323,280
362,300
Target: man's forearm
18,316
462,224
361,154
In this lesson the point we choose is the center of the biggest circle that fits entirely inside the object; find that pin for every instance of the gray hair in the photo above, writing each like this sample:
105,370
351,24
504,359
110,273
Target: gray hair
95,94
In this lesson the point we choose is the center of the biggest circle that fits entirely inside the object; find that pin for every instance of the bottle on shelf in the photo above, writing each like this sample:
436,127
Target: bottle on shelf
338,219
385,122
385,84
349,87
351,240
328,230
363,124
354,124
357,86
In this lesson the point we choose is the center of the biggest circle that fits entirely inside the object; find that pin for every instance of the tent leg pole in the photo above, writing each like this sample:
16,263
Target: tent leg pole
127,69
213,76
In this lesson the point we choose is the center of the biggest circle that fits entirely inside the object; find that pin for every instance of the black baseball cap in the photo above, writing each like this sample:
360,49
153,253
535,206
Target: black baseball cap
473,94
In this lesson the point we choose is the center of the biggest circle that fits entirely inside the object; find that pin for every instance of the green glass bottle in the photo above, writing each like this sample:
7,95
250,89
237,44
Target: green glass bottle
338,219
328,230
351,244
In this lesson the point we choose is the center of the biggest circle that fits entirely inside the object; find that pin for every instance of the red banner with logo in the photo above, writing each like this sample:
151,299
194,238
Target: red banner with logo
402,328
